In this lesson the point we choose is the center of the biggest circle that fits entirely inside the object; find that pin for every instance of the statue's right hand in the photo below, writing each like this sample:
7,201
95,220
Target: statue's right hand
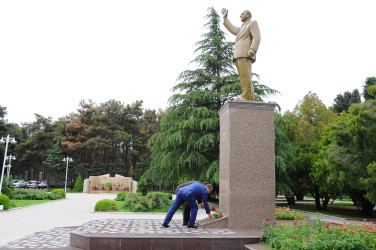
224,12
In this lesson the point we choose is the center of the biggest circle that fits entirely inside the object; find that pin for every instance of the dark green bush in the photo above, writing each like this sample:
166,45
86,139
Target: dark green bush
106,205
4,200
152,201
22,191
121,196
157,200
7,189
20,197
135,203
142,186
22,194
59,192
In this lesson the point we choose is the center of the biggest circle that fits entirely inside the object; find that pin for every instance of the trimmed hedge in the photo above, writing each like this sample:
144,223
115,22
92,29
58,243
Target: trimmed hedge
4,200
106,205
22,194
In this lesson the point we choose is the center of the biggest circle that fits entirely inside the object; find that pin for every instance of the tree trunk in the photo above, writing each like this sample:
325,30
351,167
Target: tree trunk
325,202
367,207
290,199
316,195
299,196
47,178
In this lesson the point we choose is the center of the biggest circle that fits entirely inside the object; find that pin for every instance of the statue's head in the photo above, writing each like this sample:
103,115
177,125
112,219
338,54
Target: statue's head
245,15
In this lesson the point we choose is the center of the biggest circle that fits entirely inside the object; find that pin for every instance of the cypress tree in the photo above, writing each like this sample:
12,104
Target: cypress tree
79,185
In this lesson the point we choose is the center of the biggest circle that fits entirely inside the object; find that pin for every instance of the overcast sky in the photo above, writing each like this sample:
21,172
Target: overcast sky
53,54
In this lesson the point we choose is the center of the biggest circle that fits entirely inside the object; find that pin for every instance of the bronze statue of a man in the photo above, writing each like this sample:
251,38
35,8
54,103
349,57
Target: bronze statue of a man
246,44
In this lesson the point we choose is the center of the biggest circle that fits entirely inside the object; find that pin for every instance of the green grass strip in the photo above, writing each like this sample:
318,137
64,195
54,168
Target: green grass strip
24,203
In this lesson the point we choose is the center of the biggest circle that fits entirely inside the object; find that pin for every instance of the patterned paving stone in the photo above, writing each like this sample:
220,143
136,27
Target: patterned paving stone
59,237
144,227
55,238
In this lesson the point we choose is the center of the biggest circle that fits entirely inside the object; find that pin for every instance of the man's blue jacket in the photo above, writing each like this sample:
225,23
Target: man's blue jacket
196,191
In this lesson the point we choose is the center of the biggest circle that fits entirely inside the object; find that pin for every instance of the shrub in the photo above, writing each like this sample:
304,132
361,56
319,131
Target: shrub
22,194
79,186
59,192
152,201
121,196
284,213
106,205
7,189
142,186
168,195
109,184
4,200
157,200
135,203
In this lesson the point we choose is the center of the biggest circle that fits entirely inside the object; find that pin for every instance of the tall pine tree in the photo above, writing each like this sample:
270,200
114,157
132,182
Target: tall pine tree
187,148
54,165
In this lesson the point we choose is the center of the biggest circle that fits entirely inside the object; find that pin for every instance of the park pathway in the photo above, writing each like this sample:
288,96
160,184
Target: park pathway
75,210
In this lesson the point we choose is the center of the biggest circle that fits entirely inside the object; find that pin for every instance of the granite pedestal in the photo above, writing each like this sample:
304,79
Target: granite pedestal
247,164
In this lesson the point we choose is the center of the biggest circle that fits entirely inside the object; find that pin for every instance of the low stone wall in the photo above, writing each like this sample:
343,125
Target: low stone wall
97,184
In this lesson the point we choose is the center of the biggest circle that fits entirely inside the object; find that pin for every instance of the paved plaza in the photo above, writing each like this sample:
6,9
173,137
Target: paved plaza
50,223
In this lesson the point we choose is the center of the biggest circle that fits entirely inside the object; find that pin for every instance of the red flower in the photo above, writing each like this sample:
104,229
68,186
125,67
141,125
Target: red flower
267,219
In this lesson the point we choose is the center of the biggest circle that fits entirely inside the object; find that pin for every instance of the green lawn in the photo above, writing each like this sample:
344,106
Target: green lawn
342,211
23,203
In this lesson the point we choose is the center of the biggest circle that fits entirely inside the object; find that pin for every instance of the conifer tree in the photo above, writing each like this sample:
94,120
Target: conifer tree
79,185
187,148
53,164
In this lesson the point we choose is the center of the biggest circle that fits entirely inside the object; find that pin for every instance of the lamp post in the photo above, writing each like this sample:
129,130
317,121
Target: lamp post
6,141
10,158
67,159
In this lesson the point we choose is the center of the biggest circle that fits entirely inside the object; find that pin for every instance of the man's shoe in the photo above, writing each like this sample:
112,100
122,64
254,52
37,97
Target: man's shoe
193,226
165,225
184,223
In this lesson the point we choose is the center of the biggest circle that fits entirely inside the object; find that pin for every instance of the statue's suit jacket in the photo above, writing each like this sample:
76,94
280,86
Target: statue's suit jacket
247,37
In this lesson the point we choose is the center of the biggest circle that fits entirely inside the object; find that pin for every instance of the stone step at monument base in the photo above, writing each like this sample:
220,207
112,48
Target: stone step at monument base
149,234
214,223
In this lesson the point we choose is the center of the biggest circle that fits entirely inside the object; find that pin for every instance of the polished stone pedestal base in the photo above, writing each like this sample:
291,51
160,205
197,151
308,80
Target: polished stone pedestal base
149,234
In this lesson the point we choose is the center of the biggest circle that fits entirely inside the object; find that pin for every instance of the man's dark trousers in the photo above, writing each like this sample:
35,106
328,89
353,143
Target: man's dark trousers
181,197
186,213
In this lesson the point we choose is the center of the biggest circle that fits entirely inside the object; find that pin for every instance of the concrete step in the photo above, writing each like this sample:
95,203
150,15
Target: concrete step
257,246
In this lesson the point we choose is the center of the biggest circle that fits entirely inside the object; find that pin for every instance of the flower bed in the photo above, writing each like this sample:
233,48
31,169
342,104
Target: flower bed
285,213
320,235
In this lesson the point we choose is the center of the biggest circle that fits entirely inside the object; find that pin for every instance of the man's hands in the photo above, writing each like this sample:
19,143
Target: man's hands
202,205
210,215
224,13
251,53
